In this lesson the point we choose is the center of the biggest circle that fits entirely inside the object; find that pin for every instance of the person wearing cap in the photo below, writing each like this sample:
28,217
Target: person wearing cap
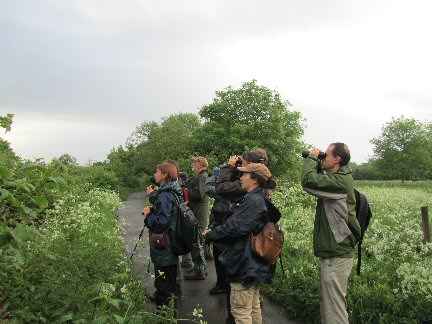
336,229
228,187
199,204
245,270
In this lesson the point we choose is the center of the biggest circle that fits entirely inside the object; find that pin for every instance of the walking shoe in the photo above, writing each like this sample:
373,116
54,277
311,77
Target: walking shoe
217,290
192,275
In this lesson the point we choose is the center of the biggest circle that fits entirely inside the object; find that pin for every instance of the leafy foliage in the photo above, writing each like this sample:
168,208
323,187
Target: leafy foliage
403,150
252,116
171,139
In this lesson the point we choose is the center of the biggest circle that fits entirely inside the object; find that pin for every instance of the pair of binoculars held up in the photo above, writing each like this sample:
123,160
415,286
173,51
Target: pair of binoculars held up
321,155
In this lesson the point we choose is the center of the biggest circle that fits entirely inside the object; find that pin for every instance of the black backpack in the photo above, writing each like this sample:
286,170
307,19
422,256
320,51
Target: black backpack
363,214
186,230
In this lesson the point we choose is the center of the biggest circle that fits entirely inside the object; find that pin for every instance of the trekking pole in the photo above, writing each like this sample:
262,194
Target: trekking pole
139,238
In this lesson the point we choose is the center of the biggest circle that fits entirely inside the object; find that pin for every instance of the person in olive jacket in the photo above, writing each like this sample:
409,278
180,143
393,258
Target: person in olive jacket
157,220
245,270
336,229
199,204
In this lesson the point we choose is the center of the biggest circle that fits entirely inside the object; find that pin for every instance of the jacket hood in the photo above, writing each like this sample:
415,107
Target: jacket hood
171,186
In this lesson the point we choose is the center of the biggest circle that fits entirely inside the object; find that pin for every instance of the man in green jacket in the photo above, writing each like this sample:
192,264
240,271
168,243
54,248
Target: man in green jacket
336,229
199,203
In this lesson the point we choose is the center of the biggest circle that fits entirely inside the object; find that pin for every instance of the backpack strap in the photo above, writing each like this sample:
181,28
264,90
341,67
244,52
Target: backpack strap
359,255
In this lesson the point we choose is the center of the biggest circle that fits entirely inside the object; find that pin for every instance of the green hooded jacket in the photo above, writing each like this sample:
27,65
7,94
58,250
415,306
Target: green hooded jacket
160,218
336,229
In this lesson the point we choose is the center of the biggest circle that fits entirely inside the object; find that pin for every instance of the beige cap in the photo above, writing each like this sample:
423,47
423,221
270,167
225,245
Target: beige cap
257,168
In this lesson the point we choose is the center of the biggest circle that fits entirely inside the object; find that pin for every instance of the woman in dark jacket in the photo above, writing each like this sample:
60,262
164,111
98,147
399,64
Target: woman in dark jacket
157,220
245,270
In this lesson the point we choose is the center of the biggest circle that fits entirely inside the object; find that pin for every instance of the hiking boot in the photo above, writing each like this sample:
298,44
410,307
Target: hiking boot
216,290
192,275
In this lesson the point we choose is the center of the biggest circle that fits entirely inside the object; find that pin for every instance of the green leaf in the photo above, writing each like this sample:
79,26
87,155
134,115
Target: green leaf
65,318
119,319
4,194
27,210
115,302
5,173
41,201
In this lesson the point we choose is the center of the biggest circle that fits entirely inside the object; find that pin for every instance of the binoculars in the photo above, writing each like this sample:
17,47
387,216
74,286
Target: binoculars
321,155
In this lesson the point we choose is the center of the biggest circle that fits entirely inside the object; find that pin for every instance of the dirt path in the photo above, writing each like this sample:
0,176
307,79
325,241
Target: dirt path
195,293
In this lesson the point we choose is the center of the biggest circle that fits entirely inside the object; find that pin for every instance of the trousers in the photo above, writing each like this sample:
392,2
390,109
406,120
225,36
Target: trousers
334,275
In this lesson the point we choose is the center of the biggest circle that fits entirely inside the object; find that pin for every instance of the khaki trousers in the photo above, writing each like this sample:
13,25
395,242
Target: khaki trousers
245,303
334,273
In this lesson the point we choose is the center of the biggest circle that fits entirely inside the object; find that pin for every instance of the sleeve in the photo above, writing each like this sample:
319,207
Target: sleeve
226,188
158,220
196,187
209,187
320,181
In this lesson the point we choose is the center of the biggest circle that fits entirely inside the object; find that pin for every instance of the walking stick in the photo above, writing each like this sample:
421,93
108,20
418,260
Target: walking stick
139,238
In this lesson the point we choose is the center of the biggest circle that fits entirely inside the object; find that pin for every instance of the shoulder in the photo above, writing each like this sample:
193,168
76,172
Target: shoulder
256,200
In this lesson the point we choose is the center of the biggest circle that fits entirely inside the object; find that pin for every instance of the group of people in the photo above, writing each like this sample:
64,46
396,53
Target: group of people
241,192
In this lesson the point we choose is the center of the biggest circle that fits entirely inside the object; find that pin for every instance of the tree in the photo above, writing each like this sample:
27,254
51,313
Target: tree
253,116
403,151
68,160
170,139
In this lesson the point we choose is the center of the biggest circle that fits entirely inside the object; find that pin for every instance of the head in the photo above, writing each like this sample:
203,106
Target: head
256,175
165,172
199,164
256,155
337,155
173,162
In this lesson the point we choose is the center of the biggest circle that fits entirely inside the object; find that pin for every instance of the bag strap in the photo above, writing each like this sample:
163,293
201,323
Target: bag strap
282,267
359,255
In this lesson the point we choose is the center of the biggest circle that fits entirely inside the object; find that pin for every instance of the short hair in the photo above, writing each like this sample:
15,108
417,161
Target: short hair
173,162
263,153
200,159
169,170
342,150
265,184
256,155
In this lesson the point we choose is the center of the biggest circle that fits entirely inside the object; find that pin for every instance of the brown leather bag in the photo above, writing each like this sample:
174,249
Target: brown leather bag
268,242
160,241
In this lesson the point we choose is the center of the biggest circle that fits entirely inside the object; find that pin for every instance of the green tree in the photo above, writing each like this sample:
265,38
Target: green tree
68,160
403,151
170,139
253,116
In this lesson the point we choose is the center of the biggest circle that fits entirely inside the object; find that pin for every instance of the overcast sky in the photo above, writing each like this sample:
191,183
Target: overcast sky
81,75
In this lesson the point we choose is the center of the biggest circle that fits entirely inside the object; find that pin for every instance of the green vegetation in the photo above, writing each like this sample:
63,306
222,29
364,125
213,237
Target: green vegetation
396,280
403,150
62,257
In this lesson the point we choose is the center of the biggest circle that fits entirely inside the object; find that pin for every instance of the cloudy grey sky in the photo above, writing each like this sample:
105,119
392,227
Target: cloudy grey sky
81,75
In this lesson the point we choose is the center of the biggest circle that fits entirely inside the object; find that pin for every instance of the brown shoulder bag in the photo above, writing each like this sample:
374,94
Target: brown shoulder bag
160,241
268,242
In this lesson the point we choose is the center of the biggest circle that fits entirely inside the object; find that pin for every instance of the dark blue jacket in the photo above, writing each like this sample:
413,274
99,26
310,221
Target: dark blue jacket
158,220
248,217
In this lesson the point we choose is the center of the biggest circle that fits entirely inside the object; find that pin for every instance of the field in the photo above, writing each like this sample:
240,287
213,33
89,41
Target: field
395,284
